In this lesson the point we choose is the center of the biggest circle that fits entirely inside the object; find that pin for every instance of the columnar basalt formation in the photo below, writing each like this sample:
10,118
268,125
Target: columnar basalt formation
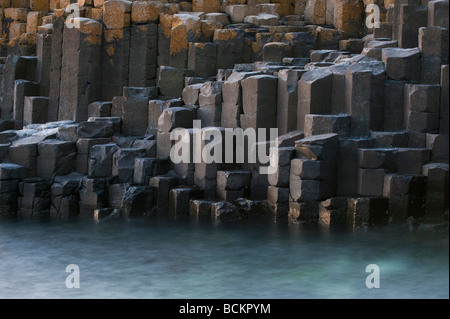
91,93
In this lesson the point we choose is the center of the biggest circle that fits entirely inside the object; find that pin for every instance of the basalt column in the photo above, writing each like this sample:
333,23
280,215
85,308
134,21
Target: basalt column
185,28
143,55
144,43
116,47
230,47
80,82
314,94
287,100
44,54
55,65
15,68
364,97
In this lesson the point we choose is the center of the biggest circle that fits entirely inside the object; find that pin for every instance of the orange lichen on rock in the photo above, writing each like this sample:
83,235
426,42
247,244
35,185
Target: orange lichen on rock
85,3
98,3
34,19
91,28
54,4
58,13
165,22
285,7
16,29
206,6
40,5
171,8
5,3
191,22
178,39
146,11
209,27
112,35
225,34
110,50
16,14
185,28
63,3
349,15
48,19
96,14
117,14
20,3
315,11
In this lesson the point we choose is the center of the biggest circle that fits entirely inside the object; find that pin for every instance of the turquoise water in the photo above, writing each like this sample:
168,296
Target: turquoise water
174,259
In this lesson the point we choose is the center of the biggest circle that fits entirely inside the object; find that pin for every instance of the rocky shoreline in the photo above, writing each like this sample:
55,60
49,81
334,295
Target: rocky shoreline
89,103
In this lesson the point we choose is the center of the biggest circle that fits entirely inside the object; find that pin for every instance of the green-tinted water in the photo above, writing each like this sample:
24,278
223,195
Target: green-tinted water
156,259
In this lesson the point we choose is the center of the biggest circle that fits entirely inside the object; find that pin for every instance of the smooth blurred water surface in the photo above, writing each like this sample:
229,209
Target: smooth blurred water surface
173,259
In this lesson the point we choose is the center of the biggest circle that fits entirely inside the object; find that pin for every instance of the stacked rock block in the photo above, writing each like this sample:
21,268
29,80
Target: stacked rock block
278,193
313,174
232,185
81,49
143,43
362,122
206,173
129,41
10,175
35,199
93,194
116,47
65,196
69,170
210,102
